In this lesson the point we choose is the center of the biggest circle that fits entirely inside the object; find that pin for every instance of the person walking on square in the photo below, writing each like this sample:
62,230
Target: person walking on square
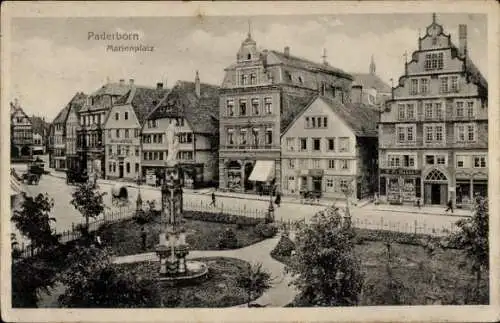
418,204
277,201
449,206
213,199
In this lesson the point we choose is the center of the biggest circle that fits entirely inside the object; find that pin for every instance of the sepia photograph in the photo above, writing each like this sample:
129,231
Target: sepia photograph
254,158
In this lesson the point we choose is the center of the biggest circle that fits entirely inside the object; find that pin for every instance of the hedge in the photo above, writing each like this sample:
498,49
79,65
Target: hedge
222,218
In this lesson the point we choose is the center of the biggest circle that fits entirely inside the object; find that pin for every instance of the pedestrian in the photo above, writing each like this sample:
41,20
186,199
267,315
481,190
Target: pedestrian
143,238
213,199
418,203
277,201
449,206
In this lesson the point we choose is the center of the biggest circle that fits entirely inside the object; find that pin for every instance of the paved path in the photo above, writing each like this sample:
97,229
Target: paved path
279,295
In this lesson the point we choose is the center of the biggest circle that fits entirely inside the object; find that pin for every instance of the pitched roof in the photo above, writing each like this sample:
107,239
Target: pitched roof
202,112
39,125
112,89
368,80
143,100
359,117
293,105
309,65
77,101
62,115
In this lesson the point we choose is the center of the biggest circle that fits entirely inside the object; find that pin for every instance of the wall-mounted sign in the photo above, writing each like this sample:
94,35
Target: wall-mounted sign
120,141
399,171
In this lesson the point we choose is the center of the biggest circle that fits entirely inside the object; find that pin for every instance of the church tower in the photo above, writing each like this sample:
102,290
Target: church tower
372,66
248,49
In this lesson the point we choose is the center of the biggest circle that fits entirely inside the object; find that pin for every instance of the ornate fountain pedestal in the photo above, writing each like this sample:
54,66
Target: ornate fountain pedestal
172,248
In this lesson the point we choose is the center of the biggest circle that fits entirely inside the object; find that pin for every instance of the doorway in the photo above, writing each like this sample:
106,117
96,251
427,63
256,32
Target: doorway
120,170
435,193
316,181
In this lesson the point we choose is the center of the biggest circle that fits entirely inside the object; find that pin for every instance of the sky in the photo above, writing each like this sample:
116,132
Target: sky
52,58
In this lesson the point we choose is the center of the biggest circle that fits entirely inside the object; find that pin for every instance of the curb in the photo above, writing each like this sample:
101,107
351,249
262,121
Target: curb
417,212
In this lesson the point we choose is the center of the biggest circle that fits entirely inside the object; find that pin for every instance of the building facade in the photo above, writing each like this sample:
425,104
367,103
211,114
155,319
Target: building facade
329,150
21,133
433,133
260,95
40,134
57,154
122,130
193,107
90,139
71,125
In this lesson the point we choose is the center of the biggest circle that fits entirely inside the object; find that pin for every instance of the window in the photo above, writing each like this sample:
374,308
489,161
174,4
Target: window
255,107
454,84
291,163
126,115
110,150
110,167
443,87
303,163
243,107
255,136
409,134
109,133
393,161
424,86
230,107
470,132
401,133
438,133
137,151
479,161
136,133
331,163
414,87
243,136
428,110
253,78
429,159
401,111
268,104
329,182
408,161
137,167
316,144
410,111
470,109
308,125
344,164
117,133
117,116
325,122
269,136
405,133
460,132
433,61
440,160
434,133
331,144
126,133
230,138
343,144
343,185
303,144
316,163
128,167
244,79
428,133
114,167
313,120
461,161
459,111
290,144
438,109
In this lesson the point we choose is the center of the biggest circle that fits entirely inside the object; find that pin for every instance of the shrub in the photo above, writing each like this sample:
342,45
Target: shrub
266,230
221,218
394,236
143,217
284,247
228,240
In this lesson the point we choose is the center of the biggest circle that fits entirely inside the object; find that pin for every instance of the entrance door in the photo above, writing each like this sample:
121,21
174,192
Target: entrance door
435,193
444,194
120,170
317,184
291,184
428,193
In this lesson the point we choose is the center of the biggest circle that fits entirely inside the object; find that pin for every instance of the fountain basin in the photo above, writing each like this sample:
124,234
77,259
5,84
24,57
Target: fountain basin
195,271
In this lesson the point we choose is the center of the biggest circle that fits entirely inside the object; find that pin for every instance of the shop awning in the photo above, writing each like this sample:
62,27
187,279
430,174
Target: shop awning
263,171
15,186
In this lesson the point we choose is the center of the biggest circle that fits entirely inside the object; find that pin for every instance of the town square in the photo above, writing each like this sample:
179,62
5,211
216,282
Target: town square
218,165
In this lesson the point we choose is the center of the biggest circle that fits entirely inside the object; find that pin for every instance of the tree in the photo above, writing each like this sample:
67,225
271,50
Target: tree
472,238
88,201
325,268
33,220
254,281
93,282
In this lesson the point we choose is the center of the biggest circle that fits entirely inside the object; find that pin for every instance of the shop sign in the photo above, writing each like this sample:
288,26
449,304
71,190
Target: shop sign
399,171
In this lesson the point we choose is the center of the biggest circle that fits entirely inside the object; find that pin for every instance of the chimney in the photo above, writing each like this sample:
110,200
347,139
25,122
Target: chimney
357,93
159,86
197,87
287,51
122,82
131,81
462,39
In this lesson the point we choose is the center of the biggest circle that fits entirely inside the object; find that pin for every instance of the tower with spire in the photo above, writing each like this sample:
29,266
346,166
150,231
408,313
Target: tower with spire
372,66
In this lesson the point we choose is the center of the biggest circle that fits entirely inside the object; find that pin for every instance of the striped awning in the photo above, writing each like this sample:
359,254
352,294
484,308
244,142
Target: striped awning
263,171
16,187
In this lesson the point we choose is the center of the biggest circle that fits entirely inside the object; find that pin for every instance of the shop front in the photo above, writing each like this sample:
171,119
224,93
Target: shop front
400,185
193,174
263,175
468,185
233,175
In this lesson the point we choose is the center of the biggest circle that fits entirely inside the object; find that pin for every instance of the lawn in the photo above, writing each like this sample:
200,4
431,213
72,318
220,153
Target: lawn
218,290
124,237
413,269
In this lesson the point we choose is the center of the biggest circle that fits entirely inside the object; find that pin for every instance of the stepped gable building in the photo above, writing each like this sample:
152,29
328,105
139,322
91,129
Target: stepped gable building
369,88
123,130
433,137
90,141
260,95
329,149
21,133
193,109
70,131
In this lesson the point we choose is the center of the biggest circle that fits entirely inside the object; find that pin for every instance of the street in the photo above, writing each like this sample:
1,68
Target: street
66,214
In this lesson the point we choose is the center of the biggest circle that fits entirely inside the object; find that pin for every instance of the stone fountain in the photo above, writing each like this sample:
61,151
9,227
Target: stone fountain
173,248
